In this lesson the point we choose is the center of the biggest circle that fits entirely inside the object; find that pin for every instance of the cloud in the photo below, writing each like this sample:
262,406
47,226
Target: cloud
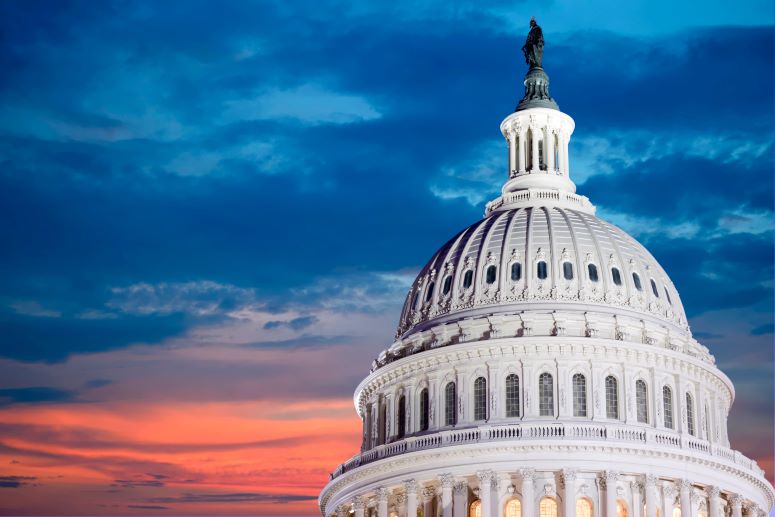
34,395
147,507
240,497
299,323
762,330
16,481
98,383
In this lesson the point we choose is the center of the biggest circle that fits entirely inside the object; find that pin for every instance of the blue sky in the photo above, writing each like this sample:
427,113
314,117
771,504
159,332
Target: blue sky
269,176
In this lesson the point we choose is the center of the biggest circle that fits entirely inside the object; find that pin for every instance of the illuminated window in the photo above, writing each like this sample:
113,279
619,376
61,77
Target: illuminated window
567,270
424,409
616,275
592,272
545,395
690,413
583,507
447,285
516,271
579,396
667,403
611,397
514,508
480,399
547,507
641,401
476,509
676,512
512,395
468,279
490,274
621,509
401,416
450,415
541,270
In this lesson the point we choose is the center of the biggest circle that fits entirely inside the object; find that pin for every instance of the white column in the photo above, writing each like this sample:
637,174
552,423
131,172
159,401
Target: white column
513,165
611,477
714,508
686,497
737,506
551,166
446,494
637,506
565,161
382,502
668,499
410,487
569,479
650,487
534,162
485,491
528,493
460,499
521,150
359,505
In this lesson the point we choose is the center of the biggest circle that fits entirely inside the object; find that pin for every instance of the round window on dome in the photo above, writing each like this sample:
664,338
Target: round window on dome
636,281
592,272
516,271
567,270
490,274
541,270
468,279
447,285
616,275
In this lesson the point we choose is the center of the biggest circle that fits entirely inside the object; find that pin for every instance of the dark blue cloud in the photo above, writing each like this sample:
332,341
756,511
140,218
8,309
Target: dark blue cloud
35,394
762,330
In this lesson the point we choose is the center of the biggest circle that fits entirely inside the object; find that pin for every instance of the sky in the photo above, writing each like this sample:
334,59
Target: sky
210,214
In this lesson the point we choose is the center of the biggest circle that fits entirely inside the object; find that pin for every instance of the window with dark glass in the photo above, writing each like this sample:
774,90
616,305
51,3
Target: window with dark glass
641,401
616,275
579,395
592,271
690,414
401,416
429,292
382,428
667,295
424,410
636,281
667,405
468,279
516,271
415,299
447,284
545,395
567,270
480,399
611,397
541,270
489,275
450,413
512,395
654,288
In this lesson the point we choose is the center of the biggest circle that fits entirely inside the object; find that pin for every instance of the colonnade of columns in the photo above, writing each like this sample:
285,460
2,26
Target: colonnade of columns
524,152
609,494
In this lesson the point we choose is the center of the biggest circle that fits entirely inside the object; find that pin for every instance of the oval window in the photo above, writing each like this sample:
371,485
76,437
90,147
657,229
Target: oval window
468,279
617,276
668,296
636,281
447,284
541,270
592,271
516,271
654,288
567,270
429,292
489,276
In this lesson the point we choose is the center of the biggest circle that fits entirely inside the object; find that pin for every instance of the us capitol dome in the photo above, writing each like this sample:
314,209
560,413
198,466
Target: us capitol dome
543,367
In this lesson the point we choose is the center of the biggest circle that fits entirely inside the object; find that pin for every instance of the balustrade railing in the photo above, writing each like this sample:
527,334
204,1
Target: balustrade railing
549,430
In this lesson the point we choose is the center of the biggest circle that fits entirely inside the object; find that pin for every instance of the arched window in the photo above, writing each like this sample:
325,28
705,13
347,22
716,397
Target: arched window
636,281
592,273
579,395
707,423
667,295
547,507
367,427
429,292
545,395
512,395
611,397
667,403
468,279
676,512
616,275
690,413
513,508
621,508
490,274
424,410
583,507
567,270
516,271
401,416
654,288
541,270
382,429
447,285
415,299
641,401
480,399
450,413
476,509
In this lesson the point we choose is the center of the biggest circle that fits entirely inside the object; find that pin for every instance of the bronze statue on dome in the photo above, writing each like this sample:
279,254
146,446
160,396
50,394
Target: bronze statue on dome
534,45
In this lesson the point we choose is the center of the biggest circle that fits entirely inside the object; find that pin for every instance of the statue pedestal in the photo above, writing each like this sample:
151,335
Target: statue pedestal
536,91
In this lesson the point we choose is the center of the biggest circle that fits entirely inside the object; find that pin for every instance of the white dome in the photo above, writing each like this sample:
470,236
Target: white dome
608,271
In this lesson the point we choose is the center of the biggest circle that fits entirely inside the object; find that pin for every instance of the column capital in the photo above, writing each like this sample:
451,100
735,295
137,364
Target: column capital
343,509
527,474
611,476
713,491
685,484
400,498
382,494
359,503
447,480
568,475
485,476
669,490
736,500
428,493
651,481
411,486
460,487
